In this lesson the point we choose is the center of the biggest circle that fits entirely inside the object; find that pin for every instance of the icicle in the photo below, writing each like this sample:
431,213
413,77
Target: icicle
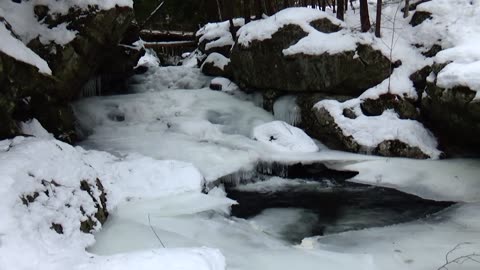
286,109
273,168
92,87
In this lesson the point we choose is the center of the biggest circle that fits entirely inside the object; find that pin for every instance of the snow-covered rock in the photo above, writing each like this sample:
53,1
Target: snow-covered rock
306,50
52,195
65,43
345,126
216,65
283,137
216,37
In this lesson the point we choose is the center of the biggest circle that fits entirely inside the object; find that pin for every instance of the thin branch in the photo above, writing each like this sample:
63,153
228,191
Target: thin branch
154,232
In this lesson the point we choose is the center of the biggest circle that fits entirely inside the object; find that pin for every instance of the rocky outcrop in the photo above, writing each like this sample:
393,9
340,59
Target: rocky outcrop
26,94
92,212
454,114
403,107
262,65
419,17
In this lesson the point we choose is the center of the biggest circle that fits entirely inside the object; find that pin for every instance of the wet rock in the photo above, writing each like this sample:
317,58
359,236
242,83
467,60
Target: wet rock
217,65
419,17
396,148
454,116
324,25
262,65
403,107
310,121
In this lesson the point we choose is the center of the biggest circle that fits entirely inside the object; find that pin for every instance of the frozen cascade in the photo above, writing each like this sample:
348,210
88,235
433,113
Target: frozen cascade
286,109
164,120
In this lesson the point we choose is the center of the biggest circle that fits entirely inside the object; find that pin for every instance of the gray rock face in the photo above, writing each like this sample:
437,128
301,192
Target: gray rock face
419,17
454,115
263,66
403,107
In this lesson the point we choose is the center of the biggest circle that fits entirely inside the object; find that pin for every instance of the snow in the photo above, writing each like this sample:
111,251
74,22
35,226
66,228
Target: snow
34,128
217,60
417,245
16,49
218,35
149,59
317,43
54,170
284,137
443,180
370,131
264,29
457,74
455,25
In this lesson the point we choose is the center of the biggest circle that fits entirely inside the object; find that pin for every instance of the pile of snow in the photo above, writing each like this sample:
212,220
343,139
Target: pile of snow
455,25
217,60
34,128
41,190
370,131
284,137
218,34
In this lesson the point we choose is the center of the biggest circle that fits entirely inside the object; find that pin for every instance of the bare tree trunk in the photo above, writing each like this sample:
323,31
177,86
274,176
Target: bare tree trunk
324,5
219,8
346,5
364,16
211,10
269,6
229,10
340,5
406,8
378,21
247,10
258,9
286,4
333,5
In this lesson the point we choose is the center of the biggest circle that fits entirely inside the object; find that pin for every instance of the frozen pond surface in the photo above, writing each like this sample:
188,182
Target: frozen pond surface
171,115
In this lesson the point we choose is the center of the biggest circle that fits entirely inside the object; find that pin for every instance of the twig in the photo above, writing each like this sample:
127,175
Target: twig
474,257
154,232
151,15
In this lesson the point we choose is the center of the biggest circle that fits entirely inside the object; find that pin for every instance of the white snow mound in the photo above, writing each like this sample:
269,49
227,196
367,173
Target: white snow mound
283,137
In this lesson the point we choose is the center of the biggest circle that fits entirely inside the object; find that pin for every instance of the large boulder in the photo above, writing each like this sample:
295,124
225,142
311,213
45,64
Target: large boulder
454,113
27,93
263,65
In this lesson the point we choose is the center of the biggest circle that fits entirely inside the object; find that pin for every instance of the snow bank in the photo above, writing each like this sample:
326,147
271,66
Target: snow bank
370,131
455,25
161,259
443,180
41,190
284,137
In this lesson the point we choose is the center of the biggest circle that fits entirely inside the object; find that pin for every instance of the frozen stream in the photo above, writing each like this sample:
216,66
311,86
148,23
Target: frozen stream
171,115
